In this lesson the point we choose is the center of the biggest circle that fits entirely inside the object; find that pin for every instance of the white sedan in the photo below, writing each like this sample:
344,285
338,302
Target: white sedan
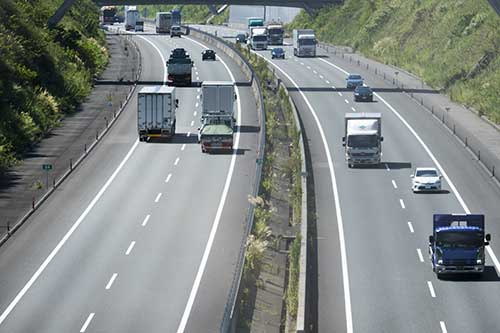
426,179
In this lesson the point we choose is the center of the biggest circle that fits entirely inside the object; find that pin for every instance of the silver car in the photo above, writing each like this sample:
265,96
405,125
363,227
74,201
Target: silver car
426,179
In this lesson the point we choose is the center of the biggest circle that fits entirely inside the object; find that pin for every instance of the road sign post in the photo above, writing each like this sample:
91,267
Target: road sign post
47,168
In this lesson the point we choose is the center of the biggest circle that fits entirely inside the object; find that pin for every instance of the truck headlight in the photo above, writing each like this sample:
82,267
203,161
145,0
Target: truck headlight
440,261
479,261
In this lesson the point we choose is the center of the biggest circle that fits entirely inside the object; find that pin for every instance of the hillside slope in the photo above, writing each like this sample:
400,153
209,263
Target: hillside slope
453,45
44,73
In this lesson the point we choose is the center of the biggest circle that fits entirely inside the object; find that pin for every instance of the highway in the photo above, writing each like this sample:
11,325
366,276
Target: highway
371,269
142,237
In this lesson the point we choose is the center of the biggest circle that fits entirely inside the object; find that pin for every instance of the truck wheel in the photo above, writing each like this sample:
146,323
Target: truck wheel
349,165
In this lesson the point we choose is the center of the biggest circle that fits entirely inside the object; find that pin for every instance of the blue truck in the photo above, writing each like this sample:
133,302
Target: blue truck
457,244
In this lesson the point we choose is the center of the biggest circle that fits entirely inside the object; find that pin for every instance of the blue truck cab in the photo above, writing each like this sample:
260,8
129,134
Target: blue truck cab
457,243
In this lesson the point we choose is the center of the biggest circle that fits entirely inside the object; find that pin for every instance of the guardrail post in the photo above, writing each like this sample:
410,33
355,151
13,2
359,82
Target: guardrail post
71,164
466,142
479,155
493,171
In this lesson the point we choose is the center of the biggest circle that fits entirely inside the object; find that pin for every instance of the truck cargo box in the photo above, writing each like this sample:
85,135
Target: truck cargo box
156,112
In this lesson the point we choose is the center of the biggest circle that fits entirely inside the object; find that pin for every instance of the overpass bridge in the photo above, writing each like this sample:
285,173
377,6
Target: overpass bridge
309,5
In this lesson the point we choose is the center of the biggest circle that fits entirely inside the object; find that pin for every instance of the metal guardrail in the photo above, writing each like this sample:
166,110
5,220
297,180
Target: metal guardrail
229,317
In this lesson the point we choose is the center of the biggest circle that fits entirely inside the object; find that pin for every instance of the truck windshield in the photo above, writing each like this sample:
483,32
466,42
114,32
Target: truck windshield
463,239
362,141
276,31
260,38
307,41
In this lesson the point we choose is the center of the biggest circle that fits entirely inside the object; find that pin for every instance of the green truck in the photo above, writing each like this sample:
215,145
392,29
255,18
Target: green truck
216,137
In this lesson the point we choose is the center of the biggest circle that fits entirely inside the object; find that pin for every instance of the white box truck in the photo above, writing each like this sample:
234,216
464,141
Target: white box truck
156,112
363,138
217,96
163,22
258,38
304,43
131,17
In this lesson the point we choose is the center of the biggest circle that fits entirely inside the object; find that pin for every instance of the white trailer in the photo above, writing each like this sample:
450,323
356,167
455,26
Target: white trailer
131,17
156,112
304,43
218,97
163,22
363,138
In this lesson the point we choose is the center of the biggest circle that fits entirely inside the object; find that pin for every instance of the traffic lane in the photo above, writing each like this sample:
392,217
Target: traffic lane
423,212
356,186
21,256
472,181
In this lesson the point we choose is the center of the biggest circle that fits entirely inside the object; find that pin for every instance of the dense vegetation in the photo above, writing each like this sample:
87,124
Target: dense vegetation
44,73
190,13
452,44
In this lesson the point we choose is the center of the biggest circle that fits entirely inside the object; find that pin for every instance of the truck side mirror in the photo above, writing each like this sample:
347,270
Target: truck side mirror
431,239
488,237
176,102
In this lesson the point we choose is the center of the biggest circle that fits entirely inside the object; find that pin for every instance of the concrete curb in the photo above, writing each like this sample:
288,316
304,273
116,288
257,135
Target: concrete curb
39,203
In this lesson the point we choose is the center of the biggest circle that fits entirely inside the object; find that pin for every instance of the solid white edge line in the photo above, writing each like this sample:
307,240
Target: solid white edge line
215,225
130,247
431,289
410,226
87,322
402,203
158,196
443,327
65,238
168,178
146,219
420,256
340,225
110,283
394,184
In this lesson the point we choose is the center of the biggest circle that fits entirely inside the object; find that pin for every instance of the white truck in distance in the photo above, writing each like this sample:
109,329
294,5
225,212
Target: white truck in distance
258,38
363,138
131,17
156,112
304,43
163,22
217,120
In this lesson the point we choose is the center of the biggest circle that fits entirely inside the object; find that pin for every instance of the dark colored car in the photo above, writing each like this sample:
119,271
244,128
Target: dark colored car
363,93
179,53
241,38
354,80
208,55
278,52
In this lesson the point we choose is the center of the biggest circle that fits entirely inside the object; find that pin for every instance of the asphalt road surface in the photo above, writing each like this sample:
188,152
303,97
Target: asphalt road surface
143,237
372,271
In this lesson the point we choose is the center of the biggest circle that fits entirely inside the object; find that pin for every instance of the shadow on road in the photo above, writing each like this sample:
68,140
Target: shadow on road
489,275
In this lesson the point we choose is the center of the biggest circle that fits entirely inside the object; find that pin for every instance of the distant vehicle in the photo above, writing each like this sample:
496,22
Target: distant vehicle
426,179
457,244
131,17
278,52
217,129
208,55
179,68
275,33
163,22
258,39
156,112
254,22
108,15
363,93
354,80
175,31
241,38
304,43
139,26
119,19
176,17
363,138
